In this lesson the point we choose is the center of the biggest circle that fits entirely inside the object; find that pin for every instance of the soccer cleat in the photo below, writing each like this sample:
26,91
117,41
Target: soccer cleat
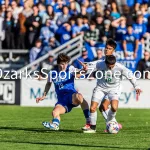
50,126
86,127
89,131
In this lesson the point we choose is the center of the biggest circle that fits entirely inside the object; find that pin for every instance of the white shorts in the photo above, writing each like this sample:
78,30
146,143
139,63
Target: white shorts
99,94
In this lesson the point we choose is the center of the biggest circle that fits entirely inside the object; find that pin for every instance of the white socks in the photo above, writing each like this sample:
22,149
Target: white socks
111,116
105,114
93,118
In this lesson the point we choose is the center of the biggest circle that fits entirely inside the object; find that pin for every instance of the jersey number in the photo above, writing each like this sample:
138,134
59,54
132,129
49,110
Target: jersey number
60,85
108,80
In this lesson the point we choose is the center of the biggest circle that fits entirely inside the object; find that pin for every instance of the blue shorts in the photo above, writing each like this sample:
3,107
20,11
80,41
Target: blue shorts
66,101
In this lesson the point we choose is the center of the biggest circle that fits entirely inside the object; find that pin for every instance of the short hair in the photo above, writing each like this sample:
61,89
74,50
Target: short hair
110,60
62,57
112,43
92,23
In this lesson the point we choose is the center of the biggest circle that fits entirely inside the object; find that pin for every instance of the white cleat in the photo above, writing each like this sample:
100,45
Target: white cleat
89,131
50,126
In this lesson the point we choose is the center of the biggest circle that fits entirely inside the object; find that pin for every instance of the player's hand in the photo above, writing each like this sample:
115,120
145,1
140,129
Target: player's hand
85,67
138,91
40,99
126,54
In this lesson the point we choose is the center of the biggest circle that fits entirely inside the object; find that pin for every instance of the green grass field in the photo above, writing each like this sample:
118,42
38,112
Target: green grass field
21,129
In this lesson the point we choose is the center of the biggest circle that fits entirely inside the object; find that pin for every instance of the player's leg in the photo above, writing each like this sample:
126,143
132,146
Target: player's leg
96,99
86,112
112,112
77,99
57,111
104,108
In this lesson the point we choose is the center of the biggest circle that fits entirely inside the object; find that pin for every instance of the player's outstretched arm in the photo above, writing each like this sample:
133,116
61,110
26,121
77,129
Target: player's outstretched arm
130,76
47,87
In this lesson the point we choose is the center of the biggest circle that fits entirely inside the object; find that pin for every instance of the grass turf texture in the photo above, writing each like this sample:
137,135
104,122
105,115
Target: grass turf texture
21,129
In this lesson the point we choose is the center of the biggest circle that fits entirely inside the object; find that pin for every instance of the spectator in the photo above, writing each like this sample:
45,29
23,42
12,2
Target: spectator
51,14
99,55
65,33
27,12
84,12
46,33
64,17
73,9
139,2
144,13
53,43
3,7
2,31
85,21
33,26
58,7
21,32
79,28
144,64
148,28
115,11
35,50
107,31
107,13
9,31
92,35
16,10
128,15
140,28
72,21
120,25
130,37
83,58
99,22
89,9
98,9
42,13
46,66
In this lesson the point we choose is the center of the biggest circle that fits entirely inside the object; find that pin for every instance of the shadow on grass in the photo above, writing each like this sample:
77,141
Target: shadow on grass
38,129
74,145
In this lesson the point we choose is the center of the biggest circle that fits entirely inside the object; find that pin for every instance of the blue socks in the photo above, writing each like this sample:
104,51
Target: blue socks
87,115
56,121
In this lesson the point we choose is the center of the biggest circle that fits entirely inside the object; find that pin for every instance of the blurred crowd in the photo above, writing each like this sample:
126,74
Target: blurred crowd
43,25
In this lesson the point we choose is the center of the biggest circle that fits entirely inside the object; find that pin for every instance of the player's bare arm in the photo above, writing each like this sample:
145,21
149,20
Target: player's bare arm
47,87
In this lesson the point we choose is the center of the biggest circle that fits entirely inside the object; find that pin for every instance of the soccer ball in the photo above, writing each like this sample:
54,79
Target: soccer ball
112,127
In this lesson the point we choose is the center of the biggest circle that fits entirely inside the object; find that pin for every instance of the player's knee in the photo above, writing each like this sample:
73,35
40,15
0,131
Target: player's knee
78,99
93,109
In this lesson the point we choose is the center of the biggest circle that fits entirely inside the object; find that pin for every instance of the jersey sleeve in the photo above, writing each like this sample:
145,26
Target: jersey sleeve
129,75
72,70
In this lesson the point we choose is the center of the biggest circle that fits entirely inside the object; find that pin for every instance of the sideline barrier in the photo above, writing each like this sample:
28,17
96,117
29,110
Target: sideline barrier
30,89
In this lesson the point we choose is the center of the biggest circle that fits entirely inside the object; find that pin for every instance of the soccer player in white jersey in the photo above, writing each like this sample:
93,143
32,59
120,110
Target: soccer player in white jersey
109,74
104,106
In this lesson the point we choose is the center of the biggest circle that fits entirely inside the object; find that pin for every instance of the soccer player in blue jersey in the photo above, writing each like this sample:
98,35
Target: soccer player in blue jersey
63,79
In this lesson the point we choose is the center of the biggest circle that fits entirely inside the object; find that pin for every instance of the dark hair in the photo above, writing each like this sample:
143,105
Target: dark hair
112,43
92,23
62,57
110,60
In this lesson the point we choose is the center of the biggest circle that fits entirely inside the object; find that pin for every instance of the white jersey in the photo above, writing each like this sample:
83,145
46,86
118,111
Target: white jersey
111,78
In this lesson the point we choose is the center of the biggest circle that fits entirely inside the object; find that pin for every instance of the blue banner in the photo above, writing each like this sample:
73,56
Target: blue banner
129,62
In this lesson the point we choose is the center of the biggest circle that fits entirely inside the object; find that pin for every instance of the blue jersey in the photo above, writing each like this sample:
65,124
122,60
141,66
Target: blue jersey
120,32
131,37
63,82
139,29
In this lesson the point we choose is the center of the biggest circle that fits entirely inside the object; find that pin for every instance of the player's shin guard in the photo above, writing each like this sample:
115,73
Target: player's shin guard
86,113
111,116
93,119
